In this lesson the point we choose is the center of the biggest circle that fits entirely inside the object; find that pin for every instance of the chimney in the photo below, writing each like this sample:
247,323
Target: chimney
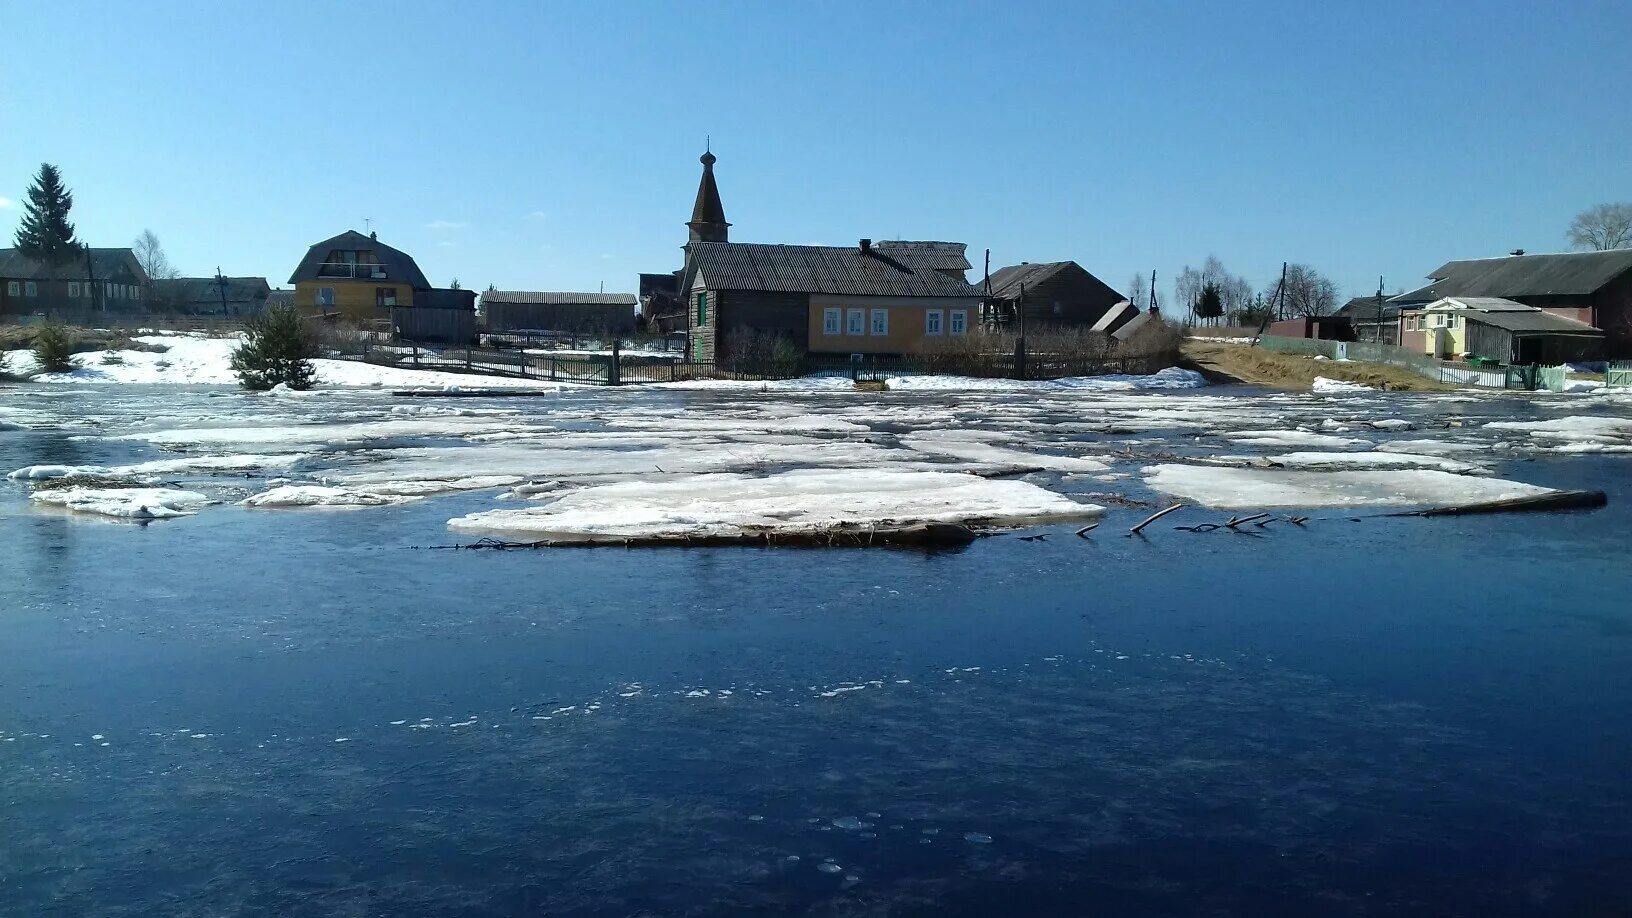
373,236
866,246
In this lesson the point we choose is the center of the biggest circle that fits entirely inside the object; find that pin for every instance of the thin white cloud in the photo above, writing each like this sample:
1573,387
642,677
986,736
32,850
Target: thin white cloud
444,225
607,256
537,215
445,244
7,203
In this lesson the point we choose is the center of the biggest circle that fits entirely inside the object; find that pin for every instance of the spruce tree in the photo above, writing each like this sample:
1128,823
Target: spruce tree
1210,304
45,235
276,350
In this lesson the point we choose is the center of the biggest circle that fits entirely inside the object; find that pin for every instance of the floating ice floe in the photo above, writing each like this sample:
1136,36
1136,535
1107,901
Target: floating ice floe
1235,488
794,503
291,496
1293,439
1324,385
1373,460
976,446
124,503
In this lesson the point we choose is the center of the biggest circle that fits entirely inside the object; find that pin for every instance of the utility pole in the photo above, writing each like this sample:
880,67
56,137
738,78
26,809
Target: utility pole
1380,310
221,287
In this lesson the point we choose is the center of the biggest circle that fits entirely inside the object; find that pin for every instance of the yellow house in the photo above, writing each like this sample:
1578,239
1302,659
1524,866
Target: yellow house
355,277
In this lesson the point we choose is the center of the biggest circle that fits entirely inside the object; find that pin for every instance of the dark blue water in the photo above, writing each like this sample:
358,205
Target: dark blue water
1392,716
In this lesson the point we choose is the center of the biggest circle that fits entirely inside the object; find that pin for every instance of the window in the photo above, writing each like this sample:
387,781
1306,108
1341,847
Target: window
832,320
31,289
135,292
855,322
959,321
385,296
325,296
932,321
107,290
73,290
13,288
702,307
881,321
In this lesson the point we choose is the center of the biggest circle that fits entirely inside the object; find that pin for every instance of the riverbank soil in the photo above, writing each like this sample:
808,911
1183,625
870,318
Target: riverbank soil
1246,364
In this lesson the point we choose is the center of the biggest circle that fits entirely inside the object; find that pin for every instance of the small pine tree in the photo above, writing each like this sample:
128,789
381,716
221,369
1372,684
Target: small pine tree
1210,304
44,233
53,349
276,350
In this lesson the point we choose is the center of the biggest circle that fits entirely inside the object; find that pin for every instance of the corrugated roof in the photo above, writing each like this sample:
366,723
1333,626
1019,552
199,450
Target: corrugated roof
1479,303
1533,321
558,298
208,289
1365,307
399,267
942,256
1006,281
1115,317
895,271
105,262
1563,274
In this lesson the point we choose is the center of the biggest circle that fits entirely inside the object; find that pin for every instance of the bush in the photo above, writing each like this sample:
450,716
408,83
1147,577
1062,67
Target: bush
277,350
53,348
752,352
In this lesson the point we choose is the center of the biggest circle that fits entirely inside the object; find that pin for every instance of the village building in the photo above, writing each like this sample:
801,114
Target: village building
1498,330
98,281
662,311
1030,295
889,298
361,280
1325,328
1373,319
558,313
212,296
1593,288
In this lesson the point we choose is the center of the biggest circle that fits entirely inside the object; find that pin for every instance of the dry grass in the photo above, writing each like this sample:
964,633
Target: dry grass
1292,371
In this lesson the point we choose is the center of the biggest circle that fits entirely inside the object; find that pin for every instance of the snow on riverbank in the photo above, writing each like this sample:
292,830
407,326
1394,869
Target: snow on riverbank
808,501
1243,489
196,360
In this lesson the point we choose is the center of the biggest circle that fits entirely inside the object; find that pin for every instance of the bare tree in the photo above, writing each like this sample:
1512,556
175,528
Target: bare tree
1606,226
150,255
1308,293
1137,289
1234,293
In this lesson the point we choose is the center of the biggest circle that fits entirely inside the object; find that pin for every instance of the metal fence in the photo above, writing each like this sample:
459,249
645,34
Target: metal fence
1462,374
1618,374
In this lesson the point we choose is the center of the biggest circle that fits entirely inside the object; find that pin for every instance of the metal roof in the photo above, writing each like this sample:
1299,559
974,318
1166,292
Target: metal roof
208,289
1564,274
942,256
105,262
895,270
1534,321
1365,307
1478,303
558,298
1006,281
399,267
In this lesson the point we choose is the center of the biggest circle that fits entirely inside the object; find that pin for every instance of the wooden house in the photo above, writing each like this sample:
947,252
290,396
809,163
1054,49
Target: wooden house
98,281
1593,288
213,296
1049,293
889,298
356,277
1372,319
1501,330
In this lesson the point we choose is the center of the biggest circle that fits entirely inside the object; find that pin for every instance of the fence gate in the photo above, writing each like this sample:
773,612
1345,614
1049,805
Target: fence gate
1618,373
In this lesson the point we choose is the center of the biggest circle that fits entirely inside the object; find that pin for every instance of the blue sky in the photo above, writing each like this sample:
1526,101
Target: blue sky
554,146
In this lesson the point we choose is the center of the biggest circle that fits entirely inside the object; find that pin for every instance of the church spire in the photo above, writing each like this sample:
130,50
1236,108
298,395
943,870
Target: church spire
708,214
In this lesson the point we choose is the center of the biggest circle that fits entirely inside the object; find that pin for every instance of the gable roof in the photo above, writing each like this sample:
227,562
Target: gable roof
1562,274
399,267
1534,320
106,263
208,289
558,298
1478,304
896,270
1006,282
1362,308
942,256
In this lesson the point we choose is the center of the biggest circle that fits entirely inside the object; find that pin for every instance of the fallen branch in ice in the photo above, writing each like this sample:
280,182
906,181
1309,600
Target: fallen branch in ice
1153,518
1083,532
928,535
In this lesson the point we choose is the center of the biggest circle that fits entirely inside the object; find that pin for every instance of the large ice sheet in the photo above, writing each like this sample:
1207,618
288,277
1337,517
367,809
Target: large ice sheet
1246,488
795,502
124,503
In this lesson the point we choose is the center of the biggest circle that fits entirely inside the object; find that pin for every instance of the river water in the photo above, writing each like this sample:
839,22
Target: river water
314,713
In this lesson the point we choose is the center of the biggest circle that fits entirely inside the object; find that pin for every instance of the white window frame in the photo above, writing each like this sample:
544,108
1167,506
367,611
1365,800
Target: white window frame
73,290
13,288
880,324
934,322
107,290
957,322
31,289
832,320
136,292
855,322
325,297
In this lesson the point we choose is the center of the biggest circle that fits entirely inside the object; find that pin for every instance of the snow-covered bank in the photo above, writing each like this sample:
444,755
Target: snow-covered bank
799,502
1169,378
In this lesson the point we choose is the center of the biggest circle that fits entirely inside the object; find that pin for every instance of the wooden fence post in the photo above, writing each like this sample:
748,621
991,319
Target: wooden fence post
614,375
1020,357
